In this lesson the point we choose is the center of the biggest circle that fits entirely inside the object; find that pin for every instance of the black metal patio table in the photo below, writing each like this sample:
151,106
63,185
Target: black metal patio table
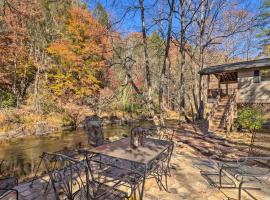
142,159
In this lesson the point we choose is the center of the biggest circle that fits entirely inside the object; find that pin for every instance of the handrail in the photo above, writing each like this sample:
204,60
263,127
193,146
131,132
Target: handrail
229,115
211,114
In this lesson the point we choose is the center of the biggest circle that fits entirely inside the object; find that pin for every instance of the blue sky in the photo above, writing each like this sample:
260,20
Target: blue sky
132,20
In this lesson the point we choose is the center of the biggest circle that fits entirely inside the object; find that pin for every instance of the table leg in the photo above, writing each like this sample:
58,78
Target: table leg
143,183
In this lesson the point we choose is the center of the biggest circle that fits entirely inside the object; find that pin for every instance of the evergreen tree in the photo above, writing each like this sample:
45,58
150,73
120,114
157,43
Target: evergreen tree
101,15
264,25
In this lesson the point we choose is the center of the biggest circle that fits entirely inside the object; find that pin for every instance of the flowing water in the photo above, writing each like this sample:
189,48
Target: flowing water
22,155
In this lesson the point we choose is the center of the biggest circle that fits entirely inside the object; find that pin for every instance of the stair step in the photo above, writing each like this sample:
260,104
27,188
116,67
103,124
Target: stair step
217,127
217,130
219,114
219,110
218,122
222,103
218,118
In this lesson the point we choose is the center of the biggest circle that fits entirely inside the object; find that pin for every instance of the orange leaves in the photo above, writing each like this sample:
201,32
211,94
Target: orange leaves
80,54
62,49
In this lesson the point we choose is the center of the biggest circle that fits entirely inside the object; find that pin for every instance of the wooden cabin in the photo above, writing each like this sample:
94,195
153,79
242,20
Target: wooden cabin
232,86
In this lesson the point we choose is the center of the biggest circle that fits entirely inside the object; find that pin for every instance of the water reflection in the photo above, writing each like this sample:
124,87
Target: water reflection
22,155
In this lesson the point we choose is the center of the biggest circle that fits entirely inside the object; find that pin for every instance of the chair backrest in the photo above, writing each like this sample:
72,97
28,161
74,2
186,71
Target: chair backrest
7,169
166,133
102,178
137,132
94,130
2,167
261,147
67,175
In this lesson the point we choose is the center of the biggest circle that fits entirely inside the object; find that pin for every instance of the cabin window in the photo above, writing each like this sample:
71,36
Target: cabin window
265,75
256,77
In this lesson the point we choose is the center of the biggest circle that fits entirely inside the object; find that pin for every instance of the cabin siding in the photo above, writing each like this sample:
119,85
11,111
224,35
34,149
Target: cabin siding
250,92
213,82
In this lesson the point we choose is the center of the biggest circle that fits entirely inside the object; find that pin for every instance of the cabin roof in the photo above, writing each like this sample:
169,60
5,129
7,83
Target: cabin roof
232,67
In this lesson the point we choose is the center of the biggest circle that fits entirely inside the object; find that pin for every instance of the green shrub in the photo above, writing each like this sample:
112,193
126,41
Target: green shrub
7,99
71,117
14,117
48,107
252,119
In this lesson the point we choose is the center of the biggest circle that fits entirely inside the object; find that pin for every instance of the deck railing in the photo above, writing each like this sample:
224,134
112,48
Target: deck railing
215,105
230,113
213,93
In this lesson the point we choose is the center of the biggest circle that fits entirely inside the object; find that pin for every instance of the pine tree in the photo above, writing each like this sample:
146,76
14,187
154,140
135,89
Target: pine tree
264,25
101,15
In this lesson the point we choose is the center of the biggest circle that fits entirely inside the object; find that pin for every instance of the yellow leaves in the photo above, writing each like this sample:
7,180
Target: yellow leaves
80,54
62,49
82,25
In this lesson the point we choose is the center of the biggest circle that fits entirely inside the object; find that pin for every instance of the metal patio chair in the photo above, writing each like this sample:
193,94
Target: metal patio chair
251,170
114,170
52,166
160,168
167,134
161,171
73,180
247,173
7,183
161,132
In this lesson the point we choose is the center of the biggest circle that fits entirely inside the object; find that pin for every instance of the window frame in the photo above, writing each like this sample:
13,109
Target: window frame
256,76
265,77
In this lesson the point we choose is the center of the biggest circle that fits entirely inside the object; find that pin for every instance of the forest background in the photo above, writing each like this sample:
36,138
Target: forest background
61,60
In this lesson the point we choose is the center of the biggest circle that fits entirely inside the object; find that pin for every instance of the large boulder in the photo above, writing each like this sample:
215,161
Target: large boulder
92,125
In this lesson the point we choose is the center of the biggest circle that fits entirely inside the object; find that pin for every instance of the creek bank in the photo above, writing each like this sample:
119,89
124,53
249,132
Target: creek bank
43,128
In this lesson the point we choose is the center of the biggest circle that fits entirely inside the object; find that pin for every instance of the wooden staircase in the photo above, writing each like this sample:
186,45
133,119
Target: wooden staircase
223,113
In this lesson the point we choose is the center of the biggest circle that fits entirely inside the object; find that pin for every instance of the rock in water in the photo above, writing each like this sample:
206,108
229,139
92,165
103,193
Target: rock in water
92,124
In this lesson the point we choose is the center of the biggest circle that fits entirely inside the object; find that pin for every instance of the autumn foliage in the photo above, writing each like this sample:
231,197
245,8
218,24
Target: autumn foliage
81,52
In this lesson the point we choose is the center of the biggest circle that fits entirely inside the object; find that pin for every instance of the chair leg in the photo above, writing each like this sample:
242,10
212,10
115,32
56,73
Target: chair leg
220,178
139,191
133,193
158,180
240,190
166,181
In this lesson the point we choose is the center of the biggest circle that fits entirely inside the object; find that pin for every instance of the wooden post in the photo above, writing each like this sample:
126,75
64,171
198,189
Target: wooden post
227,89
208,86
219,84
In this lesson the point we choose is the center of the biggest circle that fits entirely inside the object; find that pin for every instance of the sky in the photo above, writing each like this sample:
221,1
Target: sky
132,19
131,22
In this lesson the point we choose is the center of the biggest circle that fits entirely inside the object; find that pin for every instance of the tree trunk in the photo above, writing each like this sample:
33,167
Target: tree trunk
164,66
149,102
36,90
201,61
14,86
253,134
182,64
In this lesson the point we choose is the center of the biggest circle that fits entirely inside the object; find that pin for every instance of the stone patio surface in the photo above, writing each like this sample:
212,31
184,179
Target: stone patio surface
186,181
